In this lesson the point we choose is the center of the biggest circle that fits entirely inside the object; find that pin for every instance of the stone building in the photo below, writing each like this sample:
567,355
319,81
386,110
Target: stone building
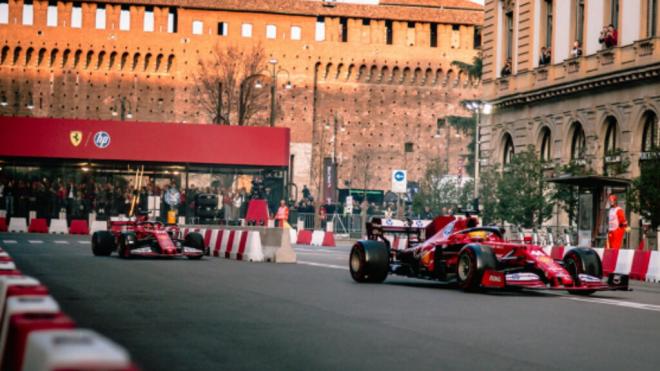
597,107
378,77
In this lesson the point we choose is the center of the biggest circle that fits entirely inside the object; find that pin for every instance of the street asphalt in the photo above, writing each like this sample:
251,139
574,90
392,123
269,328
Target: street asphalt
219,314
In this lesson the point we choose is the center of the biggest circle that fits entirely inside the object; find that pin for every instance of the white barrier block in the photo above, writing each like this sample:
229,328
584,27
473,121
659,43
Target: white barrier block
271,223
599,251
254,252
32,215
317,238
58,226
98,225
213,239
3,213
73,349
293,235
7,281
17,224
236,243
653,273
547,250
24,304
624,261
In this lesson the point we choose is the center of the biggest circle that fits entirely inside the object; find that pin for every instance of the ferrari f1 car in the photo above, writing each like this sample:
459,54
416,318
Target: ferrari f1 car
143,238
475,257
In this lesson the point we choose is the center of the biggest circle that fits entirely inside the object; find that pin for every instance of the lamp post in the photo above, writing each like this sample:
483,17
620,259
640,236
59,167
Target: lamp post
123,113
477,107
273,88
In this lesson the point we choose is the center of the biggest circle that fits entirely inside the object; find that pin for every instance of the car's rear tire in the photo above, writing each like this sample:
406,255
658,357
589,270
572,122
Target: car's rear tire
124,244
196,241
103,243
583,260
369,261
473,261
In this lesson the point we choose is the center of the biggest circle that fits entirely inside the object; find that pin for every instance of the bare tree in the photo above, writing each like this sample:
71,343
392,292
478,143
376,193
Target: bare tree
227,79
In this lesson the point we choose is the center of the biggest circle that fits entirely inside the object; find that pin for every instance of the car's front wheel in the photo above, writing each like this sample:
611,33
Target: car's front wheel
369,261
582,261
196,241
126,241
473,261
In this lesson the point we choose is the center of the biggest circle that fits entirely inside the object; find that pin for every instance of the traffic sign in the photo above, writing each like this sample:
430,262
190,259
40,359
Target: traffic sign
399,181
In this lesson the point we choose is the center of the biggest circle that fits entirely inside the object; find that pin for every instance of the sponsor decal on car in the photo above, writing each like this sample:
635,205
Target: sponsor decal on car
588,278
525,276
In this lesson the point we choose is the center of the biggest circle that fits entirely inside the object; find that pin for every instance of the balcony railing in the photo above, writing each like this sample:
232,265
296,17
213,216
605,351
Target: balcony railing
637,55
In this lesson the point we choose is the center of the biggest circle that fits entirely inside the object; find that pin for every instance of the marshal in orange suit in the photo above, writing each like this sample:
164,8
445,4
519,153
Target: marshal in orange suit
617,225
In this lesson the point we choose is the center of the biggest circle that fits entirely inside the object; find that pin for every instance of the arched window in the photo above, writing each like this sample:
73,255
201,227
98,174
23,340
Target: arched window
650,133
578,142
508,153
610,136
546,153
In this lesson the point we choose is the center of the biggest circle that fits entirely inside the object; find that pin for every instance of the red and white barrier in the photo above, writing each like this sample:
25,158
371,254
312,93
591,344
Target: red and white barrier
232,243
3,224
38,225
316,238
98,225
58,226
18,286
17,224
79,226
79,349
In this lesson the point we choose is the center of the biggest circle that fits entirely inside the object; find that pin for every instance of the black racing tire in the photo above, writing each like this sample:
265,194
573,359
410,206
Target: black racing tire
103,243
124,250
582,260
473,261
369,261
196,241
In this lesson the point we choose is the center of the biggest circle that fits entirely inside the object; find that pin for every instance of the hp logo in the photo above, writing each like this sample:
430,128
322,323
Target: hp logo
102,139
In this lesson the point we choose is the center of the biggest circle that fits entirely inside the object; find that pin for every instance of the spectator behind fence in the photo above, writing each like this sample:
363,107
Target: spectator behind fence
506,70
576,52
609,37
546,56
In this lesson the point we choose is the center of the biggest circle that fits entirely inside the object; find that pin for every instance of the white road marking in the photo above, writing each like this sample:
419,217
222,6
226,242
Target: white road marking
10,241
60,242
331,266
618,303
35,241
84,242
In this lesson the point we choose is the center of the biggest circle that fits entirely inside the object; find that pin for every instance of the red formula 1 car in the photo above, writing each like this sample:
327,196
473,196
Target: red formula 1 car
144,238
475,257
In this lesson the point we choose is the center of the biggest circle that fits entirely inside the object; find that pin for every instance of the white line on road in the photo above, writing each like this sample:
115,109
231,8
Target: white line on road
10,241
619,303
60,242
331,266
84,242
35,241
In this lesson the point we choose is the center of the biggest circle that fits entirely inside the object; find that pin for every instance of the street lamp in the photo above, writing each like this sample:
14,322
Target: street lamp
123,112
477,107
3,100
30,103
273,87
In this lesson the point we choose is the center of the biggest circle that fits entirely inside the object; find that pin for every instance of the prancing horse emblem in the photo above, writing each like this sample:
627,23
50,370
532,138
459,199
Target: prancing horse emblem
76,137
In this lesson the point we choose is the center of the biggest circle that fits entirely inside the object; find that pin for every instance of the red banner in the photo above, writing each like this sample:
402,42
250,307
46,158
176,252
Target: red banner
144,142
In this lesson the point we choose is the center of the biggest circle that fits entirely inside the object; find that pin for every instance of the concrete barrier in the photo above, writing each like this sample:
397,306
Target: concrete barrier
79,226
653,274
8,268
7,282
38,225
17,224
58,226
3,224
98,225
74,350
293,235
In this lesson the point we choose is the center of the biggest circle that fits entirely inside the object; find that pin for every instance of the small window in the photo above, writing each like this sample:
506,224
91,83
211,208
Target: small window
149,19
197,27
434,35
476,42
296,33
222,29
271,31
76,15
408,147
4,12
28,13
411,24
320,29
246,30
456,27
125,18
100,16
366,21
388,33
343,24
51,14
172,21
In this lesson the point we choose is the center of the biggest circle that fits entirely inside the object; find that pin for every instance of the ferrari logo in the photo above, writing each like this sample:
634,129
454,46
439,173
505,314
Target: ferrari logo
75,137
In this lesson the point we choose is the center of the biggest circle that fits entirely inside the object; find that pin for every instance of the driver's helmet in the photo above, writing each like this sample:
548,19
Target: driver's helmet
481,235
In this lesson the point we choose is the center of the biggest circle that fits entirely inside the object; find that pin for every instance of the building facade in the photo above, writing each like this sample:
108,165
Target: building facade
366,80
593,102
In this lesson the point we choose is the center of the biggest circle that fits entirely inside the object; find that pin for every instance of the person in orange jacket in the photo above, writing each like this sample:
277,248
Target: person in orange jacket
617,225
282,214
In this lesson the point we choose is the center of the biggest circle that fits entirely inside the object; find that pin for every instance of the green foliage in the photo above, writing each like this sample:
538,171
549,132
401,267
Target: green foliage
473,70
466,125
524,198
488,181
439,191
644,195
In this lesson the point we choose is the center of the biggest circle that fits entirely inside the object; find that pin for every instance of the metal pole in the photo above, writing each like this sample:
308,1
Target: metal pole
218,108
273,86
122,115
476,154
